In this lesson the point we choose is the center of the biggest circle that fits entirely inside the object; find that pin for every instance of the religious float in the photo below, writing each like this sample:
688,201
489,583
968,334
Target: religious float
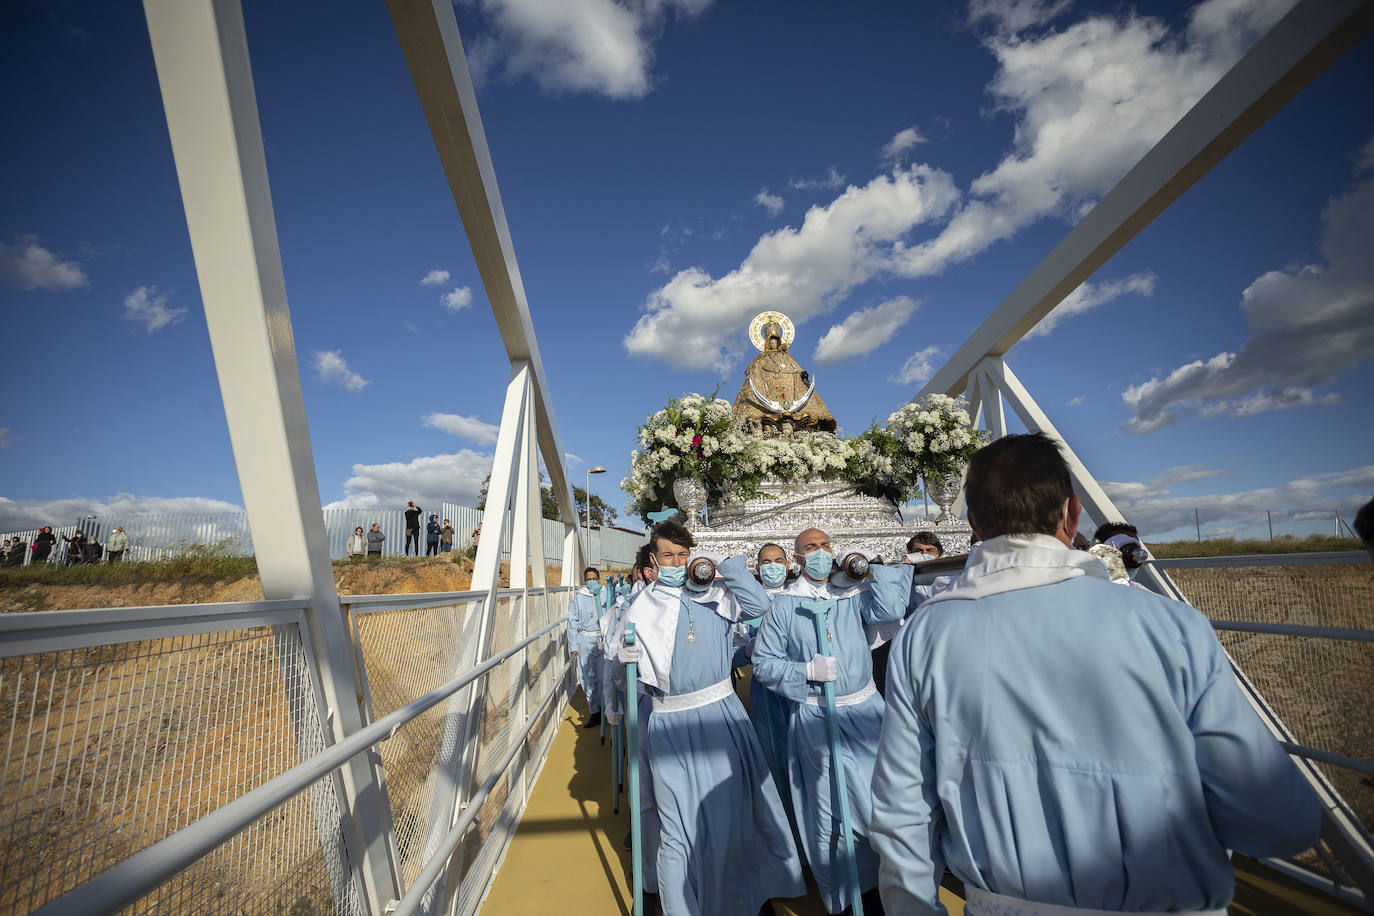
774,462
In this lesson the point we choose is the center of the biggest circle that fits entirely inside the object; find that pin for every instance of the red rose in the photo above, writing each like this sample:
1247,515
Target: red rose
696,441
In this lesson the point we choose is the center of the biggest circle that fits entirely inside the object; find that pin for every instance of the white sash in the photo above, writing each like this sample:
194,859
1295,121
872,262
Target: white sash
849,699
986,903
696,699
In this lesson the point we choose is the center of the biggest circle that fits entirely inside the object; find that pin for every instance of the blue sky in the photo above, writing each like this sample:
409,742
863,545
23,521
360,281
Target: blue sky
884,173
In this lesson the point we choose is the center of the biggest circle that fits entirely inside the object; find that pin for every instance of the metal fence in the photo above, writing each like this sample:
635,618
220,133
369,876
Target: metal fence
174,759
1300,630
156,537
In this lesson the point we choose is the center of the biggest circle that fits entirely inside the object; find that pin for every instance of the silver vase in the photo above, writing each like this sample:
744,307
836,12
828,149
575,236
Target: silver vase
690,494
943,491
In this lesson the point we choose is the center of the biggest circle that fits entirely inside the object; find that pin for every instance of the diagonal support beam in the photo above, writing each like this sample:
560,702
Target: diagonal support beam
428,31
201,53
1311,37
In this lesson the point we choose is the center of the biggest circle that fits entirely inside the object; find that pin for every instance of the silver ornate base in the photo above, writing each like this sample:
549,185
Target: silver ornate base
853,522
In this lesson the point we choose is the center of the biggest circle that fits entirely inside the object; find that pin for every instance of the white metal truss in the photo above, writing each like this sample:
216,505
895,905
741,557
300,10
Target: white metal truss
201,53
1312,36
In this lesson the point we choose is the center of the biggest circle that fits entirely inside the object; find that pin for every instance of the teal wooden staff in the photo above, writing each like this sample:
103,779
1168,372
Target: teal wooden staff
632,732
818,610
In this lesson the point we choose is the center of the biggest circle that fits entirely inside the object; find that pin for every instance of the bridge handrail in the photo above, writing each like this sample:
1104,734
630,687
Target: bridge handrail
146,870
1321,558
370,604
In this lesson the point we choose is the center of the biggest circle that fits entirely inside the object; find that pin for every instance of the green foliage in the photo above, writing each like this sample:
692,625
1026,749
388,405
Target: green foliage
193,565
602,512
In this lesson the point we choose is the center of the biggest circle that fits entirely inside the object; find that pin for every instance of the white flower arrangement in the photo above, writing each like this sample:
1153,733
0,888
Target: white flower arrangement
694,436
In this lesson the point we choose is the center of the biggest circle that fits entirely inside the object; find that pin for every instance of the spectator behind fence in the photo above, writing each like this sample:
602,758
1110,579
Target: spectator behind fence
15,557
374,541
43,544
446,537
1059,741
116,545
413,513
75,545
357,543
432,531
92,550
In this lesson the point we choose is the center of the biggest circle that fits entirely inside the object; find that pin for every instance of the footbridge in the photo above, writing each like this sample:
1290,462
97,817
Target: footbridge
397,754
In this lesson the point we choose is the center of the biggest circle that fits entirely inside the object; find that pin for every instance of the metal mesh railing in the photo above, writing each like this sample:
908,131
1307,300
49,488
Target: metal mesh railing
113,747
407,653
1319,688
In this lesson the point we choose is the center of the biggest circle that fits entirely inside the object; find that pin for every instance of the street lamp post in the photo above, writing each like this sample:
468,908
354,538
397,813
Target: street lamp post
598,469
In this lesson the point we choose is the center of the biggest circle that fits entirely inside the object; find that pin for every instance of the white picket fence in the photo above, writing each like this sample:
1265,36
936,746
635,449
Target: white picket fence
155,537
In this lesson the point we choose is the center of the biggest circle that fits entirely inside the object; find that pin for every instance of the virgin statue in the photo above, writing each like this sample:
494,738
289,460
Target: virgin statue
778,396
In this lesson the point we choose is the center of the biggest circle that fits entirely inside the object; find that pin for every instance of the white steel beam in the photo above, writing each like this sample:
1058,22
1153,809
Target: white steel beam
1093,497
1312,36
992,404
433,49
201,53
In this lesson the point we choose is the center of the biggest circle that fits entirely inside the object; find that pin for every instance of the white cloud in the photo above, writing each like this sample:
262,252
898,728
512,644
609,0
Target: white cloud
429,480
4,437
1307,328
469,428
864,331
832,181
597,46
332,369
900,146
18,515
31,266
770,202
145,306
1156,510
1364,160
570,458
457,299
804,270
918,368
1089,101
435,278
1074,402
1009,16
1090,295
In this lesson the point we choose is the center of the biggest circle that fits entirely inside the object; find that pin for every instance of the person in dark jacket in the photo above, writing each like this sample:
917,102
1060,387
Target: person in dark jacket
43,544
91,550
413,513
432,532
76,545
374,541
18,547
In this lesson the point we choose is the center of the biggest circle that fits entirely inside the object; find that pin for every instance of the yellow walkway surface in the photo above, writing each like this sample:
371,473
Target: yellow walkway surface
566,857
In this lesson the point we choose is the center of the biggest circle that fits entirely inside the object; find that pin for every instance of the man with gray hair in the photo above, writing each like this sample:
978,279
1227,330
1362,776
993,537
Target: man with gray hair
116,545
1064,744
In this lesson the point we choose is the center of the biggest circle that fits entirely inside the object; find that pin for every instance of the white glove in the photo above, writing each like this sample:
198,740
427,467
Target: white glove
822,668
613,718
629,654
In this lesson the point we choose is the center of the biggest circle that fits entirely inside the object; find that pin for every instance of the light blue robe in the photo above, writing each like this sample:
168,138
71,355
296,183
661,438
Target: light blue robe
584,638
1078,744
725,845
786,642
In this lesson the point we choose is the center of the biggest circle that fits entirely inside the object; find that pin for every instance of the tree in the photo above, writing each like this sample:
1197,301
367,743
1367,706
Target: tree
602,513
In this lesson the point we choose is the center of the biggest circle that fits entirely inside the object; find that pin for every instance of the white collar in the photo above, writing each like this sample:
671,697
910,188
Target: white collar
805,588
1016,561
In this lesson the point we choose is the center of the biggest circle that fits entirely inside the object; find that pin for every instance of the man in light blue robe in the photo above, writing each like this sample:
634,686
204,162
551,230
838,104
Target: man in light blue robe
724,845
787,662
584,641
1059,741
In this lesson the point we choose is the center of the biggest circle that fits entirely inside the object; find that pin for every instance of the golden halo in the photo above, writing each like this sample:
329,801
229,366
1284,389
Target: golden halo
789,331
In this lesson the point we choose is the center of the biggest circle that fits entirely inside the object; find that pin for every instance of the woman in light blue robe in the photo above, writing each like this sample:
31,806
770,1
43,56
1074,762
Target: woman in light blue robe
786,642
725,846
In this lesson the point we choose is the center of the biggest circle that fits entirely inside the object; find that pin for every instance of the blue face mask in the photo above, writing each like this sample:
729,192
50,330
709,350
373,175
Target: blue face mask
773,574
594,586
819,563
672,576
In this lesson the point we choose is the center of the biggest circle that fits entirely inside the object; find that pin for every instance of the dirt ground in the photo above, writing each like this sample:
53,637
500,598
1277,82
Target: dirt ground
388,577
